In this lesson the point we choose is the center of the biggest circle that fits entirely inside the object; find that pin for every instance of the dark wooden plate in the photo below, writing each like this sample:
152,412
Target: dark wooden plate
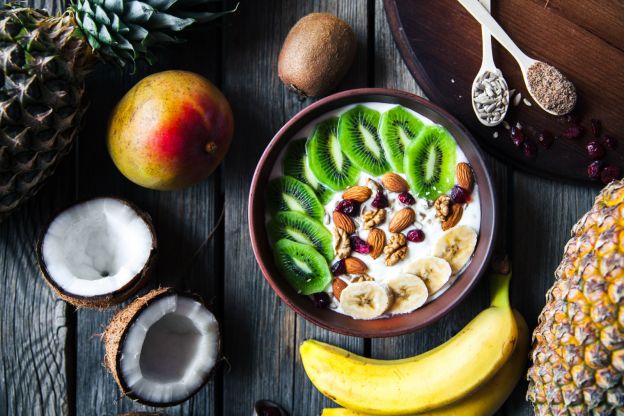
441,45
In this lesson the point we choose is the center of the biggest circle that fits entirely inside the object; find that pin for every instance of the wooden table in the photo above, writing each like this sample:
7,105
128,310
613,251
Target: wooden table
51,354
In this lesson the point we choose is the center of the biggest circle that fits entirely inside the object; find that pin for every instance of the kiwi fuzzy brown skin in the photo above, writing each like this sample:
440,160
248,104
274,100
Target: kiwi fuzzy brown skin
316,55
110,299
115,335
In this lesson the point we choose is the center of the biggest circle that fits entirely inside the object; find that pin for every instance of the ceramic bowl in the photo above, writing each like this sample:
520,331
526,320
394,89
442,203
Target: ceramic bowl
398,324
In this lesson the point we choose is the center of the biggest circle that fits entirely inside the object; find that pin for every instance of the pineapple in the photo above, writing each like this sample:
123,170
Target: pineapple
578,351
44,61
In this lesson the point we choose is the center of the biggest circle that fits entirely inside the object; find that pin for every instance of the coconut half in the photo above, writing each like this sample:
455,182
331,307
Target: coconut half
97,253
163,347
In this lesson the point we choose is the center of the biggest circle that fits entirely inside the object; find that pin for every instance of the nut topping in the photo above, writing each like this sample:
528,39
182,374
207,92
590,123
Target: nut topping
358,193
376,241
363,278
402,219
394,182
455,215
465,178
355,265
338,286
396,250
344,222
342,246
442,206
373,218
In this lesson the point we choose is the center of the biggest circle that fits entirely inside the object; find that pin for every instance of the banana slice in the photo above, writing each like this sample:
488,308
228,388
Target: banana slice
456,246
410,292
434,271
365,300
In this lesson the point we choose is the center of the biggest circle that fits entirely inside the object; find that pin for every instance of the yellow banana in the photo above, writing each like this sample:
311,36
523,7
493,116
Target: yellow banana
424,382
490,396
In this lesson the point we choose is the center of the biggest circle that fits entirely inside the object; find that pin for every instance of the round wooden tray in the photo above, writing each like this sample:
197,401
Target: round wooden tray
441,45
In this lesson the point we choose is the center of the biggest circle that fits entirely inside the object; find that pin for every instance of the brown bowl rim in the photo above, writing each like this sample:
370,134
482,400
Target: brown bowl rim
398,324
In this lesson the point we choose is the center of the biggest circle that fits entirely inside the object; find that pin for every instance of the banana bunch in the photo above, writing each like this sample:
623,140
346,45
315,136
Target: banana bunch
471,374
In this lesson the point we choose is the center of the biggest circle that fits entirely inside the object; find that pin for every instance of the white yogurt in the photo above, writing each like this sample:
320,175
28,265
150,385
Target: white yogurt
425,212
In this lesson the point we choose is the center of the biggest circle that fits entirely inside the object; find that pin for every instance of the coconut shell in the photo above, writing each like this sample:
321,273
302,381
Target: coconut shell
115,334
316,55
110,299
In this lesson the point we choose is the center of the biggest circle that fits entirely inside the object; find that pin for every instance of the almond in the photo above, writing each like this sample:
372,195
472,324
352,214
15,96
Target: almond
394,182
376,241
455,214
357,193
344,222
355,265
465,178
402,219
338,286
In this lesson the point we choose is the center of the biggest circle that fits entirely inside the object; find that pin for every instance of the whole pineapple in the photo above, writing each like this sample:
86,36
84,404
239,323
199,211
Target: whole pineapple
578,351
44,61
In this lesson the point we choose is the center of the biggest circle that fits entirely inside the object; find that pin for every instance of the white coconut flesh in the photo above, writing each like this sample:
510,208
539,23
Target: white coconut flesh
96,247
169,350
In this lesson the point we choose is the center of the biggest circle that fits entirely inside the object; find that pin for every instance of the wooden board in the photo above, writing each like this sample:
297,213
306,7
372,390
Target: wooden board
441,44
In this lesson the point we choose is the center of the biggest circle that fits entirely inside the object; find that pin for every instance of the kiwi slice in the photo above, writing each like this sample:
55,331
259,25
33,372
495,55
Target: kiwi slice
300,228
304,268
288,194
326,159
430,162
295,164
359,139
397,128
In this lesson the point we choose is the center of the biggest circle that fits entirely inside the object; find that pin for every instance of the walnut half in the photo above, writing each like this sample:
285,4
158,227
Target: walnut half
443,207
396,249
342,246
373,218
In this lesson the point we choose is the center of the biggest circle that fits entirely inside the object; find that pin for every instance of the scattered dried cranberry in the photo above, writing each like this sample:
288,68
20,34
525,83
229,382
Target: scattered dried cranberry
517,136
594,169
595,127
610,173
595,150
546,138
339,268
406,198
574,132
416,236
321,300
459,195
610,142
359,245
349,207
380,201
529,148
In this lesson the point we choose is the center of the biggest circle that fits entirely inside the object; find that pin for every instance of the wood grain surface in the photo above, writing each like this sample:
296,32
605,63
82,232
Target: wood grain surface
441,43
51,354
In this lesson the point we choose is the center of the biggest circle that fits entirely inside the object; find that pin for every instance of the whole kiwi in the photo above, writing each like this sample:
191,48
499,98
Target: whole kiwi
316,54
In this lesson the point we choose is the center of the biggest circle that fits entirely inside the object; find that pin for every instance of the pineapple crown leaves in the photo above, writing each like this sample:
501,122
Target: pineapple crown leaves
122,31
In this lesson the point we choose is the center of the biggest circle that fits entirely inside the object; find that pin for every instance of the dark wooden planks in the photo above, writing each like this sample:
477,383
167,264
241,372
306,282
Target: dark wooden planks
34,329
183,220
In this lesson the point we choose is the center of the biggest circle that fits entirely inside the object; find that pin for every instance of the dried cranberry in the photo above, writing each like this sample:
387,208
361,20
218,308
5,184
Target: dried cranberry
610,173
529,148
349,207
321,300
574,132
595,127
595,150
406,198
359,245
339,268
459,195
416,236
380,201
610,142
594,169
546,138
517,136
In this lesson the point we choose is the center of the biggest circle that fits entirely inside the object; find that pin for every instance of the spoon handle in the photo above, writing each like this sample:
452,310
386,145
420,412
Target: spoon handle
483,16
486,41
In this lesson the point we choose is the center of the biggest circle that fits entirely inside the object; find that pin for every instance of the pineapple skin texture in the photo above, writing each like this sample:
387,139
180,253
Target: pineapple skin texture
578,345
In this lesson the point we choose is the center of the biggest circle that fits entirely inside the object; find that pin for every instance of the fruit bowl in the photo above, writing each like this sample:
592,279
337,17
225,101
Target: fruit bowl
395,324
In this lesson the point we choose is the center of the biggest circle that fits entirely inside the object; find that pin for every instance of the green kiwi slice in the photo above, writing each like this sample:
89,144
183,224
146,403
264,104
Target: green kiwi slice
430,162
359,138
326,159
288,194
304,268
300,228
295,164
397,128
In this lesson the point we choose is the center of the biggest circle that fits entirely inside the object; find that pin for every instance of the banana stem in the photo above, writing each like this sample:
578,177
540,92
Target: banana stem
499,285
